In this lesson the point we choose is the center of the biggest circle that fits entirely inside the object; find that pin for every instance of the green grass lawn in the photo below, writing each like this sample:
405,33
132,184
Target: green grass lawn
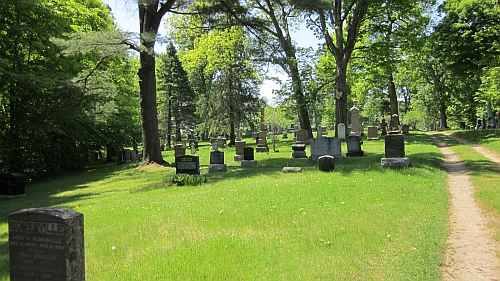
357,223
484,138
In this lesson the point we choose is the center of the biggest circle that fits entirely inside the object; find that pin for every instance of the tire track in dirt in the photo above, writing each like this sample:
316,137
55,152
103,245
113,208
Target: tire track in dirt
471,253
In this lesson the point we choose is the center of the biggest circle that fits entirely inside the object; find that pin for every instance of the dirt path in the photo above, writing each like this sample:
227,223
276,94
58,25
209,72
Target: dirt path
471,254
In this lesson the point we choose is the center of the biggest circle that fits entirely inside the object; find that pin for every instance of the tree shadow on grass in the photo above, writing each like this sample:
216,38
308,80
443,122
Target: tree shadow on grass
44,193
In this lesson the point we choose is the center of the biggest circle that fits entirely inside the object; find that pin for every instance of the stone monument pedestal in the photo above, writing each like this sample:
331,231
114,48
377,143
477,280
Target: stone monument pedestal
217,168
299,150
395,163
248,163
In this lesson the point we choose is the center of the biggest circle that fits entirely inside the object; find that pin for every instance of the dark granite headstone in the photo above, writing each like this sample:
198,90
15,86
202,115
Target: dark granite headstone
394,146
46,244
12,185
326,163
248,153
216,157
187,164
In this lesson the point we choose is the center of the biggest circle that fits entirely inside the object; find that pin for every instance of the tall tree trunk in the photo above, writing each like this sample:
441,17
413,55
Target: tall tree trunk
15,155
178,134
443,122
232,135
149,112
303,114
150,15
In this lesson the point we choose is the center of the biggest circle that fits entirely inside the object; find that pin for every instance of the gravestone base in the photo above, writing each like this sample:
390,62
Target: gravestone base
248,163
11,196
299,154
217,168
238,157
262,149
355,153
292,169
395,163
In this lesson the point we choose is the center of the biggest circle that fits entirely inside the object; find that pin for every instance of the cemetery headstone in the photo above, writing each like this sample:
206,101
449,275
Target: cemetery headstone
187,164
432,127
462,125
341,131
193,149
12,185
323,131
262,143
302,137
248,133
326,163
240,146
354,143
405,129
355,125
46,244
292,128
248,158
179,150
395,152
372,133
217,162
325,146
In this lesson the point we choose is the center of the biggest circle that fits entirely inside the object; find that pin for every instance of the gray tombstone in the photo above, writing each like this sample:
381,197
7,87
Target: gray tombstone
354,143
46,244
325,146
302,137
355,124
217,162
187,164
372,133
395,152
299,150
405,129
341,131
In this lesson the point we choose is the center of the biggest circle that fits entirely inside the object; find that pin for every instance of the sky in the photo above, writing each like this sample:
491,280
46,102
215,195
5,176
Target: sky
127,18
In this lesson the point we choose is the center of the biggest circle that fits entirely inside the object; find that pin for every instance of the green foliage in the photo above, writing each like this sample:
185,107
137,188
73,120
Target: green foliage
415,119
176,99
188,179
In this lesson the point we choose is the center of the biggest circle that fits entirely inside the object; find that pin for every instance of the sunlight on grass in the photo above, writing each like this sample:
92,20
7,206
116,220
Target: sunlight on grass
357,223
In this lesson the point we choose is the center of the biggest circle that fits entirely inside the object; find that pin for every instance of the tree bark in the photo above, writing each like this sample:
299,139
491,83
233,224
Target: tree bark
150,15
443,118
340,96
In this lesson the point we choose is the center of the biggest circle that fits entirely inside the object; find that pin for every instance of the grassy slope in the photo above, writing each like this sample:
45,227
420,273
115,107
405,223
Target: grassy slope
358,223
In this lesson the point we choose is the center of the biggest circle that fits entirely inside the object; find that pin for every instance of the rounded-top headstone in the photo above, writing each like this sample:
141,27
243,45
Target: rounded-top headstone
326,163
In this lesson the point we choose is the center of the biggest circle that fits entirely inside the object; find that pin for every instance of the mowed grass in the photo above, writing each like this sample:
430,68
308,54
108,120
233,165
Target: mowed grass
484,174
358,223
484,138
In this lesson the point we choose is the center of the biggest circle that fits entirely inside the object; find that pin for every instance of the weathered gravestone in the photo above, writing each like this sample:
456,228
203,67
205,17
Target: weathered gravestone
354,143
395,152
46,244
240,146
302,137
355,125
325,146
262,142
187,164
217,162
341,131
372,133
405,129
179,150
